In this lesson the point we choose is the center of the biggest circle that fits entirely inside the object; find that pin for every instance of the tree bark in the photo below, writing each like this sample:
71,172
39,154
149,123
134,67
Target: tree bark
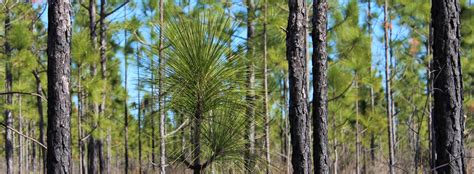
357,132
126,104
39,107
196,137
265,104
250,97
20,138
59,99
320,85
448,116
92,153
388,92
298,109
160,95
8,88
139,119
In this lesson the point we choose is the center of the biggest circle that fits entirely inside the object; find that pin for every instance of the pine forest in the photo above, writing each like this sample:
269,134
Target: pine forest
237,86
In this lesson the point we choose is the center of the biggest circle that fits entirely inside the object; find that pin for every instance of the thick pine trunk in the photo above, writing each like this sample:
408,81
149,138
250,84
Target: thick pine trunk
448,118
320,85
298,109
59,100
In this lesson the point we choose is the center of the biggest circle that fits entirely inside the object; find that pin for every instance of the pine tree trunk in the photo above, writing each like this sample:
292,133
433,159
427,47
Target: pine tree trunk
429,87
32,160
139,119
92,23
92,153
357,132
388,92
448,116
298,109
39,107
109,151
250,98
196,137
287,128
20,138
80,114
8,88
59,100
265,104
372,97
320,85
160,95
126,104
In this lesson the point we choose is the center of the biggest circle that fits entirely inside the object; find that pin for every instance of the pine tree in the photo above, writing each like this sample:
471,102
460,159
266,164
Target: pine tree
448,115
298,109
59,100
320,94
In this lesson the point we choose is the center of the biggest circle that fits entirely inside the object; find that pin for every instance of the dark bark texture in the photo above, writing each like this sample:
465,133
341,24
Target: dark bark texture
298,109
320,85
447,80
59,99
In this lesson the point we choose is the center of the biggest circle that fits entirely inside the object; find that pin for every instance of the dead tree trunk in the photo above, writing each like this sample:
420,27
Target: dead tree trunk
320,85
59,99
298,109
448,116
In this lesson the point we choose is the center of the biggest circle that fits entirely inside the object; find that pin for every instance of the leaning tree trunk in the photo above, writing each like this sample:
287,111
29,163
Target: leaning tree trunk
8,87
320,85
298,109
59,100
448,118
